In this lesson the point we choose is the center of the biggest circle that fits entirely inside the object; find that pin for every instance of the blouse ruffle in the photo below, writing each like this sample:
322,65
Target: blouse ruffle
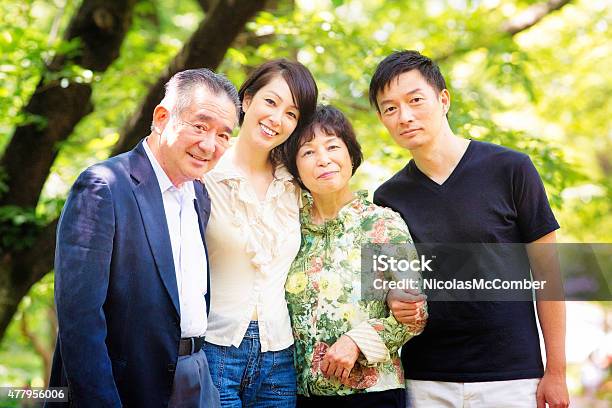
259,221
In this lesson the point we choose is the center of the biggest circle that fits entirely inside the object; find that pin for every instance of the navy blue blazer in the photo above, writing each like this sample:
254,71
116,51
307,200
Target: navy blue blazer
115,287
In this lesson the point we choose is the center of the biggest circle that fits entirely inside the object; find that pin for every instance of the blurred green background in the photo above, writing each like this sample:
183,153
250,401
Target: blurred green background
533,75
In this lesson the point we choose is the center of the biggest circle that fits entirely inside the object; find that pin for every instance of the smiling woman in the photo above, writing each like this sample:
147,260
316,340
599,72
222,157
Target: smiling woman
329,136
253,235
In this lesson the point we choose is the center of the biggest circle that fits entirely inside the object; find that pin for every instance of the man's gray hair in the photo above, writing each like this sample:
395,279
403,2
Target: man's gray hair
179,89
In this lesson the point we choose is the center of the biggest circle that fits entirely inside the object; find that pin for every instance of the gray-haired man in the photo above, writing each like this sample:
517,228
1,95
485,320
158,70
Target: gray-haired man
131,265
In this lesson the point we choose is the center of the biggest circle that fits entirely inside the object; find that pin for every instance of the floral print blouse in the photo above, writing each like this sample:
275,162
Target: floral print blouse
323,292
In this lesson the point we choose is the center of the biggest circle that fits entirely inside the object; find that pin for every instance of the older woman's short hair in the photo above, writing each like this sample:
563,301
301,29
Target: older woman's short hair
331,121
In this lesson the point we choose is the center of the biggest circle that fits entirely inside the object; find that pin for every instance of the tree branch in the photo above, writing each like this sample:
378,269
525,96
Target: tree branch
206,5
52,316
521,22
101,26
37,261
45,353
206,48
20,270
532,15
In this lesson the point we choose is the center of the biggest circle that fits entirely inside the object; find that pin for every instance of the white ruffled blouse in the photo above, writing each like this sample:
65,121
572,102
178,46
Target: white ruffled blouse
251,245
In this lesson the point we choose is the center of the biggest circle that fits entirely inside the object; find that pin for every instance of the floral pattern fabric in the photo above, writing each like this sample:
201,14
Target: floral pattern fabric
323,292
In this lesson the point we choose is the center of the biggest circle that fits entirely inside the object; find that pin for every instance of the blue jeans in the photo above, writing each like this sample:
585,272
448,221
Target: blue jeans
246,377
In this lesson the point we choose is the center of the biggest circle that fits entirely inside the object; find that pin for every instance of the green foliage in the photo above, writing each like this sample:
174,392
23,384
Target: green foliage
508,90
3,179
492,78
20,364
158,32
544,91
30,35
18,228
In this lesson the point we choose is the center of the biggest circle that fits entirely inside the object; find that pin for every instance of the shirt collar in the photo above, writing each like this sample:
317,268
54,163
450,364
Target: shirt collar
162,178
335,225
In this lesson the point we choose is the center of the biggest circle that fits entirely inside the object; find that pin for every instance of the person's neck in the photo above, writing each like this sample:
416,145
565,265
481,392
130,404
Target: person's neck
327,206
438,159
251,159
153,141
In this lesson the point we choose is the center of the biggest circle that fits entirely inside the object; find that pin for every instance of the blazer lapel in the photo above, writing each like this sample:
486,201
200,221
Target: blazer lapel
151,205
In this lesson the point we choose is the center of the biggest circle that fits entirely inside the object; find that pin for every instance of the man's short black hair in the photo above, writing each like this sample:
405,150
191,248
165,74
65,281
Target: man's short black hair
400,62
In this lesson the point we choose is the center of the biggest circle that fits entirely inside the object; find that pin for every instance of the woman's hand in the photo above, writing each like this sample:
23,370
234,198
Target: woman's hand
340,358
406,305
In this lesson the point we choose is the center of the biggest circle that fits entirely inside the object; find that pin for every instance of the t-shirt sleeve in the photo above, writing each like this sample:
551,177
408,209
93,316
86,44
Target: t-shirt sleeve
534,215
378,198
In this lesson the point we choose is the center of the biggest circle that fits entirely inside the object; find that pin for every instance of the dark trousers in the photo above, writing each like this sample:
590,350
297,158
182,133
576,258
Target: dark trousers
383,399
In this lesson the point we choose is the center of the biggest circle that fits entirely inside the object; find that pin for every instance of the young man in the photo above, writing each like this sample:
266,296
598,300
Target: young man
131,269
459,191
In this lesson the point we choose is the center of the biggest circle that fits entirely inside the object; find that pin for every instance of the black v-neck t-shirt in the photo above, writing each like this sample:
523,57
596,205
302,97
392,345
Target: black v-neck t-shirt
494,195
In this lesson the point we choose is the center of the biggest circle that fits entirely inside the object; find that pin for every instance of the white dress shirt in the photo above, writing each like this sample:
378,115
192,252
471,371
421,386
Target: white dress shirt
251,244
187,250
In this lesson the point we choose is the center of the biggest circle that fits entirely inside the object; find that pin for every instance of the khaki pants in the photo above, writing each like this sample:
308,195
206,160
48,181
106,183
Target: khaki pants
440,394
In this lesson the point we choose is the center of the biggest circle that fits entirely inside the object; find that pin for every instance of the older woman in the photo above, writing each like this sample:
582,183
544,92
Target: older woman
346,347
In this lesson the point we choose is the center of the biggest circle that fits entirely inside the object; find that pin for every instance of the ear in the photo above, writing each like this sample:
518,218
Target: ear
246,102
161,117
446,100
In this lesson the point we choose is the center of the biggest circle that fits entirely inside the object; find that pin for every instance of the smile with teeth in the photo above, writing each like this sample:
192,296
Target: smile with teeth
267,130
197,157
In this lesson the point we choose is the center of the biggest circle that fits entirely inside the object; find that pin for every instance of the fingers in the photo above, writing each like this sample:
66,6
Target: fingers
541,401
407,313
338,372
416,293
325,366
332,366
406,319
554,401
407,309
406,295
405,305
331,369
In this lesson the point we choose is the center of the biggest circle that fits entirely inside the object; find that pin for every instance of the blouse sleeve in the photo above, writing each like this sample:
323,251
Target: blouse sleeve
380,338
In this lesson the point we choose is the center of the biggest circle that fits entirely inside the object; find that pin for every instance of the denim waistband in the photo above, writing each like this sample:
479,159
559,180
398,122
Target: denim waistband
252,331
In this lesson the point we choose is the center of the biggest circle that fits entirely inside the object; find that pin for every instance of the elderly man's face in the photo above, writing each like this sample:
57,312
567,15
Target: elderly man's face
191,144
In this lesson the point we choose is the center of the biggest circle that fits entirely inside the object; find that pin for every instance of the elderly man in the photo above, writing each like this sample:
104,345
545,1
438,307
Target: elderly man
131,268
